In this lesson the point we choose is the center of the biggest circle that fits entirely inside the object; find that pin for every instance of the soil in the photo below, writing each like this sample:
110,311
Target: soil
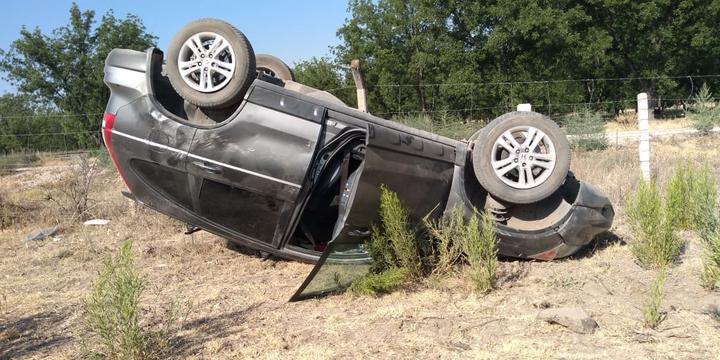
238,302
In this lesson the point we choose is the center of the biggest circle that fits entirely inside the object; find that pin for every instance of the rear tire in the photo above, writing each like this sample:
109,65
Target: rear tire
521,157
274,67
206,76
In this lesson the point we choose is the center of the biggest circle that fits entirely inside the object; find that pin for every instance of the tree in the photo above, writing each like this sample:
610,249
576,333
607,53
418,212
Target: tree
324,74
440,50
63,70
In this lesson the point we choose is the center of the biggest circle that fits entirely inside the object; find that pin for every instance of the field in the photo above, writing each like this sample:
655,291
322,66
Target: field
235,303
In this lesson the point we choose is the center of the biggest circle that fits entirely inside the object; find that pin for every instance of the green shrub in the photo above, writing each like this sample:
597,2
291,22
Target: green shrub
586,130
112,314
449,233
397,231
655,242
691,198
678,198
704,199
393,247
653,315
703,114
711,262
379,283
480,244
111,311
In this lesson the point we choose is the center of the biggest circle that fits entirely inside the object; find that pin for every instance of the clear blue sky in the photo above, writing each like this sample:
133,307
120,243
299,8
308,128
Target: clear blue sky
291,30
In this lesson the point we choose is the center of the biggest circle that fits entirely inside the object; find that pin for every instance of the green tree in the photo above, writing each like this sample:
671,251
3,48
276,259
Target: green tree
63,70
441,48
325,74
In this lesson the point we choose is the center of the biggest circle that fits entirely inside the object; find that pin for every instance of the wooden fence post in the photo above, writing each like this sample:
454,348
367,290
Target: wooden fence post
359,85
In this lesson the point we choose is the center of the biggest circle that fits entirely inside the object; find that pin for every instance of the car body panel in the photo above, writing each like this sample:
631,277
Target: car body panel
260,175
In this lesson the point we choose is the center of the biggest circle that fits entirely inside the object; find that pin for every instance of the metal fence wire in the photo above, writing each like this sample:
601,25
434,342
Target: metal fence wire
462,106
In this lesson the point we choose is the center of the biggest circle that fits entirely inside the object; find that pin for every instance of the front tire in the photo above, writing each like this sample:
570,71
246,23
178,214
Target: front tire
521,157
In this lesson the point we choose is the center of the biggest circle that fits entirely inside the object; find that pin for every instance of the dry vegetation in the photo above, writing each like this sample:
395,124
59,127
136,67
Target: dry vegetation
238,302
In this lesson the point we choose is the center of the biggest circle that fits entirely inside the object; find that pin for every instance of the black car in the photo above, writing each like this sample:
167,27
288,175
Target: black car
227,142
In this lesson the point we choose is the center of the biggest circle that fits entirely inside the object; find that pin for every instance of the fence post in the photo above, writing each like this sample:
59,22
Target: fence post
644,146
524,107
359,85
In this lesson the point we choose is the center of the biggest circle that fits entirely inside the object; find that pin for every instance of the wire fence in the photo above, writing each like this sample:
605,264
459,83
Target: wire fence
669,96
453,109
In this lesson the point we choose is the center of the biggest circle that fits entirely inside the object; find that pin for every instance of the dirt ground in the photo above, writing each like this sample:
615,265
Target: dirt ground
238,303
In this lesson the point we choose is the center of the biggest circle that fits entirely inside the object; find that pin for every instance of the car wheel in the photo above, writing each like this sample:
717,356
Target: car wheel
210,63
273,67
521,157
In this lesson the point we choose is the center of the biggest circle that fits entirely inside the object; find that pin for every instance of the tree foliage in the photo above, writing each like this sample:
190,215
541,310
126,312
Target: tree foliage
63,70
432,44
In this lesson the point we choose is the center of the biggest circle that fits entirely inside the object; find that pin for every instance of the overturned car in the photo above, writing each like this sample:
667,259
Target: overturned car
229,143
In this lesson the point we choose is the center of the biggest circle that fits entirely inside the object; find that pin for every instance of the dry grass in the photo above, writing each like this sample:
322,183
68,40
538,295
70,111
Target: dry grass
240,308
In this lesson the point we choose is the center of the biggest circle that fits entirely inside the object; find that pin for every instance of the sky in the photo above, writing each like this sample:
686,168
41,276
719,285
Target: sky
290,30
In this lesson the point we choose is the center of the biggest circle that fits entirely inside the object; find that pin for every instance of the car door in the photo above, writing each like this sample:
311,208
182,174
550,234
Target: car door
150,151
419,170
247,173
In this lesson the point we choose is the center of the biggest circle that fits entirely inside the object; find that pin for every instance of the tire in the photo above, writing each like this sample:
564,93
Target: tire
528,170
272,66
228,82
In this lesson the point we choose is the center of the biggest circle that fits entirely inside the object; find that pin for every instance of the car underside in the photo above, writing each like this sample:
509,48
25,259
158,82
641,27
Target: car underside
290,170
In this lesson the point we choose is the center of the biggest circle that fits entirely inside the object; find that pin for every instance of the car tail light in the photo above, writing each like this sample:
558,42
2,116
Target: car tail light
107,125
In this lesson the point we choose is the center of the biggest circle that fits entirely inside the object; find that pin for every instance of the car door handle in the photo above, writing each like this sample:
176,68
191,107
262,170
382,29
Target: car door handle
215,169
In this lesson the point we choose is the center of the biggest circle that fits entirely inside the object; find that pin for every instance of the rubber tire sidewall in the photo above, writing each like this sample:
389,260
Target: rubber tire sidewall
280,68
484,146
241,79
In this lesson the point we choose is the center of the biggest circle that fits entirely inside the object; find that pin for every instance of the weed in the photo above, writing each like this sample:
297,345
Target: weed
704,200
703,115
655,242
653,315
381,250
710,276
691,197
481,248
74,197
393,247
449,233
111,310
397,232
379,283
587,130
112,314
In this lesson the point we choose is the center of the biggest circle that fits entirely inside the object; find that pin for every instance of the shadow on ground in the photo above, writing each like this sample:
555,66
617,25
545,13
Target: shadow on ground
601,242
31,334
208,328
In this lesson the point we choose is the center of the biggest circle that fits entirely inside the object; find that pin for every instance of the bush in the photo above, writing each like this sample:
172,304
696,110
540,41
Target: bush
481,248
691,198
73,198
703,114
379,283
397,232
111,311
710,276
653,315
449,233
655,243
586,130
393,248
112,314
